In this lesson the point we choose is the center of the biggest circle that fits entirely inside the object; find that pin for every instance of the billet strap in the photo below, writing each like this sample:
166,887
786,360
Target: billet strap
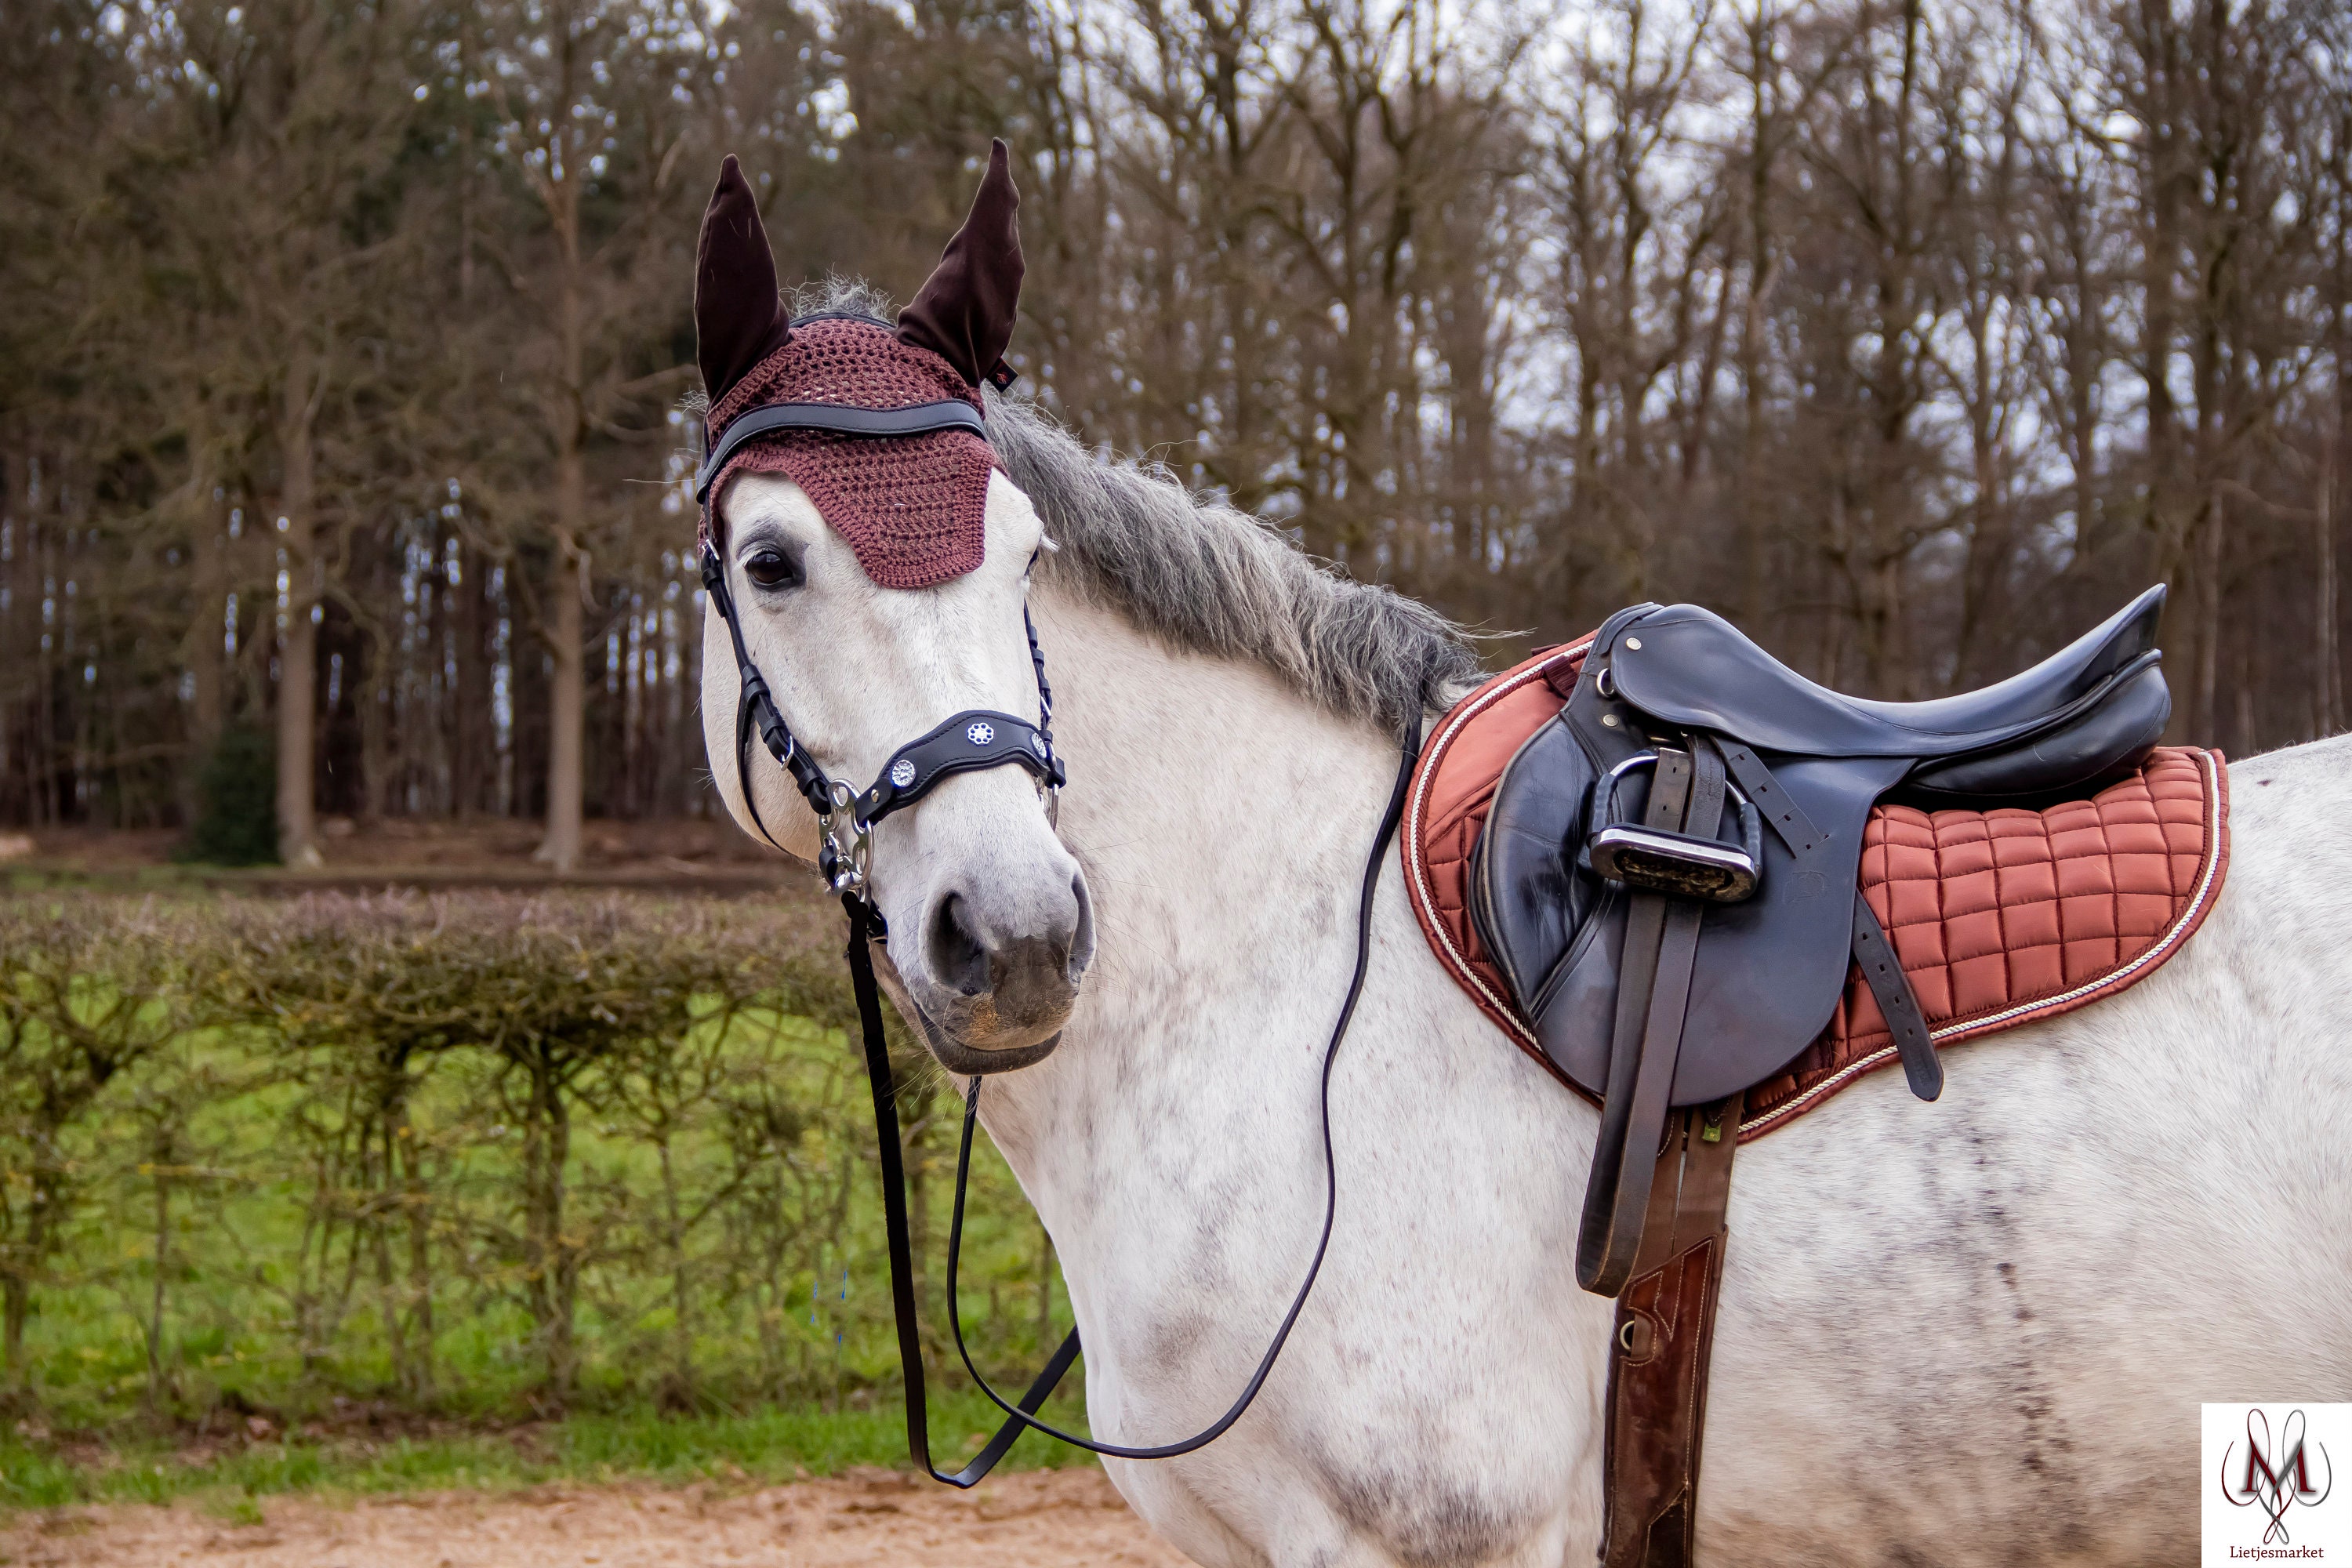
1658,1353
1875,957
1653,990
1787,818
866,926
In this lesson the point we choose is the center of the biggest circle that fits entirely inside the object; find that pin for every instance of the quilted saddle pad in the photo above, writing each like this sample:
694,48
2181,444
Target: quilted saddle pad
1999,917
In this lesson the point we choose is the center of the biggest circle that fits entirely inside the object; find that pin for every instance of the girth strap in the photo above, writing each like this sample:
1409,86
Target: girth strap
1687,794
1658,1353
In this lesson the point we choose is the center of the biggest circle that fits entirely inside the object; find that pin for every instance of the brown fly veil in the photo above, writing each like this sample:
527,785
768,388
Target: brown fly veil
880,427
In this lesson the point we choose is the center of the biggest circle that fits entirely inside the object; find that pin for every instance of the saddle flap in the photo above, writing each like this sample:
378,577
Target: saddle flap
1769,970
1525,898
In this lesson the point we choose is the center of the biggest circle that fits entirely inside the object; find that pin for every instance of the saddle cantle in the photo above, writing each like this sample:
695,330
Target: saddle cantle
1677,894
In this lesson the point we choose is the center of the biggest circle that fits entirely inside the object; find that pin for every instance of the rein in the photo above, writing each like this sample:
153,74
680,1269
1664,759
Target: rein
864,926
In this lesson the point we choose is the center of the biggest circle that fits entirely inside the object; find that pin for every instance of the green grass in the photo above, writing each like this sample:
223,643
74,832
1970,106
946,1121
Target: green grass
780,1445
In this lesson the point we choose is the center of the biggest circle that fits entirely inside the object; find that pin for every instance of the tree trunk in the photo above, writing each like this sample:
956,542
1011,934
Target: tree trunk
155,1390
16,1288
2327,694
681,1298
298,644
16,1293
416,1203
568,690
373,698
554,1261
201,651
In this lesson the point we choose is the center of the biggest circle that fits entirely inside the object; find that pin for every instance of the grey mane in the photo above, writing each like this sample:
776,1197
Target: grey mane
1206,577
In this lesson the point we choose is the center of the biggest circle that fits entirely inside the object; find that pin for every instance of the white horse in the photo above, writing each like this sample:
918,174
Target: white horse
1975,1332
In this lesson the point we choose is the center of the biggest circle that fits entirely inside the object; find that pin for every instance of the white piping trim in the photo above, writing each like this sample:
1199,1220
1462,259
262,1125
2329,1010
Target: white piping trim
2156,953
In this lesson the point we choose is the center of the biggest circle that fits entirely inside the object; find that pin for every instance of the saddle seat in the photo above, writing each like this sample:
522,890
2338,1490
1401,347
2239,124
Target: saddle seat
2076,717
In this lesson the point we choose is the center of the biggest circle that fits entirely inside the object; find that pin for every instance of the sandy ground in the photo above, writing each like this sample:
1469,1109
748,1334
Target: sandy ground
1044,1519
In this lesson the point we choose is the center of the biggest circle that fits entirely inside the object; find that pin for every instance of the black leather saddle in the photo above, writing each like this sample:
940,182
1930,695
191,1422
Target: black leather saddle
1667,877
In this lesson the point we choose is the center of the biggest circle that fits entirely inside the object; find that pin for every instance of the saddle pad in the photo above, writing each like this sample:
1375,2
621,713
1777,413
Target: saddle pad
1999,916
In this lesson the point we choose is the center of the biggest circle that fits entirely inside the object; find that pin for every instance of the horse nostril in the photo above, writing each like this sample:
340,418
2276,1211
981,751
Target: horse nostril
958,956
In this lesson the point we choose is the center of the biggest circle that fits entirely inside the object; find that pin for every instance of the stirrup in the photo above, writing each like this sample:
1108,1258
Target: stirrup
1654,860
1680,864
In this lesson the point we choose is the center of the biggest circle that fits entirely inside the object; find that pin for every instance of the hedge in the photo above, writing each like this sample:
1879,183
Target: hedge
465,1154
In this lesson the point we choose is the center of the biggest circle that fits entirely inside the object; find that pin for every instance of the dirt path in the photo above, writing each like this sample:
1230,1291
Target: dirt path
1046,1519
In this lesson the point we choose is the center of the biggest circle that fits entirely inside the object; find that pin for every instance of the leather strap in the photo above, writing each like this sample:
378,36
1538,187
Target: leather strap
1658,1353
865,927
1787,818
1875,957
837,419
1652,995
964,742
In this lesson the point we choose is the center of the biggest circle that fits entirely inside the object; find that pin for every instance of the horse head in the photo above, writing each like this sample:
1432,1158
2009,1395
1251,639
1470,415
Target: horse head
874,560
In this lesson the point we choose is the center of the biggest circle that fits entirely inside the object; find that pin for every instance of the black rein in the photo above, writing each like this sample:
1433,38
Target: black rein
865,927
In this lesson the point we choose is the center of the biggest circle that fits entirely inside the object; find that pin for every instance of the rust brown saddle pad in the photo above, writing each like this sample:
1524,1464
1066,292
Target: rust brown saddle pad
1998,917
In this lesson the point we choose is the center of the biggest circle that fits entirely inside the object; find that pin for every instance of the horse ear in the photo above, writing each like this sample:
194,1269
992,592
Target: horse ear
965,313
739,320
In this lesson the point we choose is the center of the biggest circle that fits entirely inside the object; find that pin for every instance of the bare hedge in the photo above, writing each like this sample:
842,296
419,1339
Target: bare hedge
461,1153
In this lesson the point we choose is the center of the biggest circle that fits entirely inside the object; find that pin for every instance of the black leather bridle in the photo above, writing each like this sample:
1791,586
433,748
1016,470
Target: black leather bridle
967,742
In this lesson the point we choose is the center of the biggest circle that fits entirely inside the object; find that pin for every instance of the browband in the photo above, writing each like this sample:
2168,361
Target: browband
920,419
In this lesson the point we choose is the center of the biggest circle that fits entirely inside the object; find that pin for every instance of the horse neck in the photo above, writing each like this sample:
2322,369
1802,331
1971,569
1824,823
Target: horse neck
1222,820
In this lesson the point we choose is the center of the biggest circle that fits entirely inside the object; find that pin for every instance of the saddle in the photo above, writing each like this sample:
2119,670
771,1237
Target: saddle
1665,898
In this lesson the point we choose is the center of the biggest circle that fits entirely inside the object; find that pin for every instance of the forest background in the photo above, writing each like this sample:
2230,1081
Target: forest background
344,344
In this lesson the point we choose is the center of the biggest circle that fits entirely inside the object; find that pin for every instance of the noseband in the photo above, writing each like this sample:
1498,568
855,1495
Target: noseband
967,742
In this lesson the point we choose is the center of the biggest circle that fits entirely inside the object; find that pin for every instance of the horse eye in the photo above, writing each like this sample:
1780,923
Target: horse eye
771,569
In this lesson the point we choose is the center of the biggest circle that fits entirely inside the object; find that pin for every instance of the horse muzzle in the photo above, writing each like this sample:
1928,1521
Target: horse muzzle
995,976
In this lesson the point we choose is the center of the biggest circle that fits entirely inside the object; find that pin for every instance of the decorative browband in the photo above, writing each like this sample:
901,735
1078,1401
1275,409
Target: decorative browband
920,419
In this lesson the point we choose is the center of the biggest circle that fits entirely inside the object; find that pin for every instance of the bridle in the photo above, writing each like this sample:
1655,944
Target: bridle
969,741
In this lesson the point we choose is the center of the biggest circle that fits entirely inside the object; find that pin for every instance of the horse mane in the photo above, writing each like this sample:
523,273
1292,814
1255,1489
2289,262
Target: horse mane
1204,577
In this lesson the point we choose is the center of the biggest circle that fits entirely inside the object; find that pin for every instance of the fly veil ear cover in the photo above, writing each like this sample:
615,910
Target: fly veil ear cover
911,503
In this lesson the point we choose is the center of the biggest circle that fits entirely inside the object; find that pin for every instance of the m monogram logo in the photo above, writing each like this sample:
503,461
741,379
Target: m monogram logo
2276,1475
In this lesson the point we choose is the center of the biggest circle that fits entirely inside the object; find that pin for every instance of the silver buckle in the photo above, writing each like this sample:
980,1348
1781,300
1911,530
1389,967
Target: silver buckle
851,840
